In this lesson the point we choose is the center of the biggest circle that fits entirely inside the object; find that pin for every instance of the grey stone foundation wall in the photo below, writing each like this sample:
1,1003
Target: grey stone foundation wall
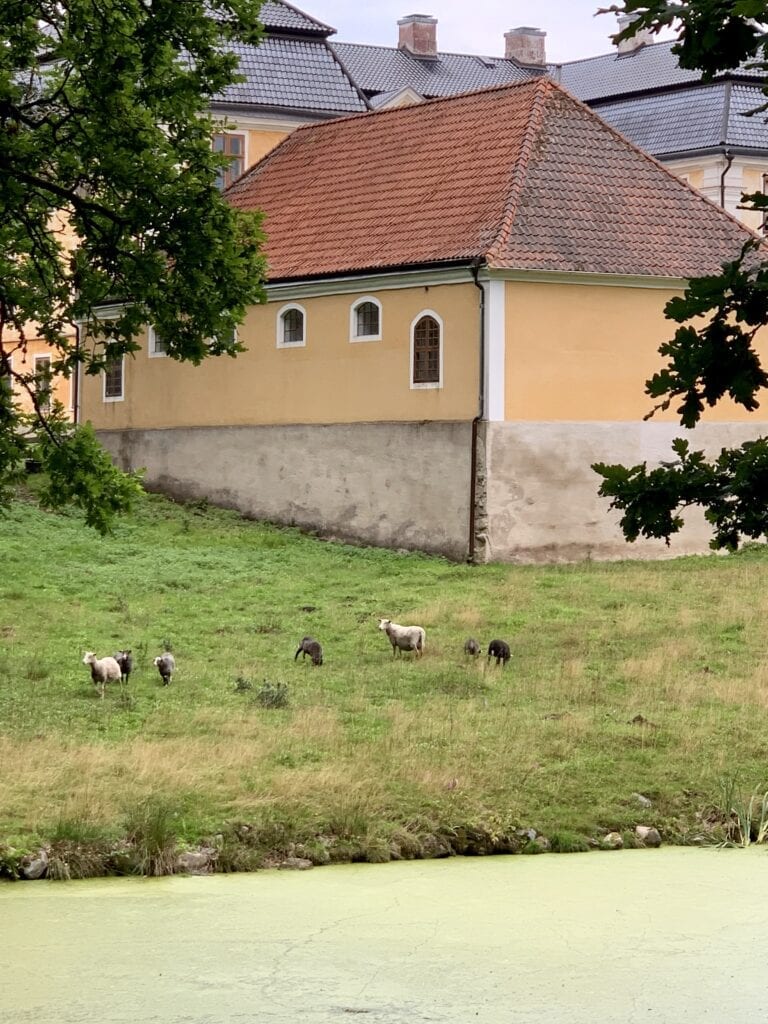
399,485
542,502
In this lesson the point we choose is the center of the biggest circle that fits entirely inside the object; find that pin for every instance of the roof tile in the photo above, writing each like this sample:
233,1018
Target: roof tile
521,176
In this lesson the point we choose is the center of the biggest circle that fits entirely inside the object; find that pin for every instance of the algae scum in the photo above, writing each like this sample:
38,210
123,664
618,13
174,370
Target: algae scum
670,935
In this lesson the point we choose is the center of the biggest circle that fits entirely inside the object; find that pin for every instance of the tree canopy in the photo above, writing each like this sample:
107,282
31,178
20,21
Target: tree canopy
108,195
712,354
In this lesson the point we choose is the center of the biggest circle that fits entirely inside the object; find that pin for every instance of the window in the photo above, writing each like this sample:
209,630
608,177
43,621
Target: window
113,380
230,338
365,320
426,351
43,382
157,344
764,225
232,146
290,327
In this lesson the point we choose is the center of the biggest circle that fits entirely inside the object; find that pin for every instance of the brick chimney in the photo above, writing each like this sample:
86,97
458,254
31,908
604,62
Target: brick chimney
635,42
418,35
526,45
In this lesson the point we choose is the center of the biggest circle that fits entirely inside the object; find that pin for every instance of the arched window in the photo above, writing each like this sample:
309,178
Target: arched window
291,327
426,351
365,320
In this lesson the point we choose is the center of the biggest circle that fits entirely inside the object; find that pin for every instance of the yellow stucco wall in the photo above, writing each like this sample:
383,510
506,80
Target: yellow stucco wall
260,143
330,380
584,352
24,362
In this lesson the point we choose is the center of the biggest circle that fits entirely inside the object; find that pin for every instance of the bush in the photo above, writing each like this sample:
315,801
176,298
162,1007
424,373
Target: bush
273,696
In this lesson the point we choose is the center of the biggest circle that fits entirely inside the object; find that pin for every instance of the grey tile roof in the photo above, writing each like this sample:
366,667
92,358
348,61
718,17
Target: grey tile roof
295,74
690,119
387,69
277,15
650,67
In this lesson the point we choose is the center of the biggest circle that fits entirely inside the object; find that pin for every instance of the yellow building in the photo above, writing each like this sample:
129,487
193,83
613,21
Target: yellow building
465,299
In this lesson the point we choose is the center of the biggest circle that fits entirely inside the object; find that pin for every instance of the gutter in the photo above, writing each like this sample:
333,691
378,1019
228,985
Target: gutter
76,382
476,421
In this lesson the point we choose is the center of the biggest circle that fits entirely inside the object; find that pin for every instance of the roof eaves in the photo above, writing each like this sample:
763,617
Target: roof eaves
320,26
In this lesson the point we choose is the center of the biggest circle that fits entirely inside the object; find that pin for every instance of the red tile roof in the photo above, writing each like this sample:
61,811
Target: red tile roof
520,176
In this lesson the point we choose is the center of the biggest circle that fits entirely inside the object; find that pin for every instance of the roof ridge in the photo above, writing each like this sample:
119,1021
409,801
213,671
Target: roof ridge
543,88
445,53
614,53
303,14
657,163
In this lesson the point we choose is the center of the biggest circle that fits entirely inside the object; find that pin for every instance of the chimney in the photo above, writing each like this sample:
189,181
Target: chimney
526,45
635,42
418,35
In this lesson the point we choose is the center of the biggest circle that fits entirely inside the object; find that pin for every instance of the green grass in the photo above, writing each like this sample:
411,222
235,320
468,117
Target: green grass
377,755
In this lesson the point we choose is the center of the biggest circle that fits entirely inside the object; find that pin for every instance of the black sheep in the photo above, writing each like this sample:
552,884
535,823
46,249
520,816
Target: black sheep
125,661
472,647
499,649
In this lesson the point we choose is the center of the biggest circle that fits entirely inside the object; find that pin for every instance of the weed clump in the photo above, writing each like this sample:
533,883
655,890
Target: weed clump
151,832
273,695
242,685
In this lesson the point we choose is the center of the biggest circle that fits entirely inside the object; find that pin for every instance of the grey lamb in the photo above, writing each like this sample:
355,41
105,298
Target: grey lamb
166,666
310,646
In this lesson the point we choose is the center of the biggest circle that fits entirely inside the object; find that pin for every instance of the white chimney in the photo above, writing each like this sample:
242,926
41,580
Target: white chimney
635,42
526,45
418,35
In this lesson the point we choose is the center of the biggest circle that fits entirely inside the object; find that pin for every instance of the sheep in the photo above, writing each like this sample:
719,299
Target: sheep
310,646
404,638
103,670
499,649
125,661
166,666
472,647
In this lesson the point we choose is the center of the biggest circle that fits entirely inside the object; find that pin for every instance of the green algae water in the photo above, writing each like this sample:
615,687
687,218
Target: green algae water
672,935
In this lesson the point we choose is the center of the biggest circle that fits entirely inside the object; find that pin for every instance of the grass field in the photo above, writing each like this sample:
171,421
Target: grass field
373,753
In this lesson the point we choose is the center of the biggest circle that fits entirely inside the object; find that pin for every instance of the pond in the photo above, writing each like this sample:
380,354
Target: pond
667,935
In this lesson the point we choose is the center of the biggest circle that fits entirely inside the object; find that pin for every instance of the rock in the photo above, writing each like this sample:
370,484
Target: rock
544,843
526,834
296,864
642,800
34,865
613,841
435,847
196,862
648,835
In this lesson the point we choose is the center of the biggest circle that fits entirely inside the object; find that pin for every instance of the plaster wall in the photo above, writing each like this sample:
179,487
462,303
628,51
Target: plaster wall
400,485
542,501
328,380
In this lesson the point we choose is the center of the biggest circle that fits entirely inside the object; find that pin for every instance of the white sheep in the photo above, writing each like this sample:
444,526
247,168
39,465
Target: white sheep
103,670
404,638
166,666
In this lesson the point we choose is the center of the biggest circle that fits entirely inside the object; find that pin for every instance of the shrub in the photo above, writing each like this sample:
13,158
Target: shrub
273,696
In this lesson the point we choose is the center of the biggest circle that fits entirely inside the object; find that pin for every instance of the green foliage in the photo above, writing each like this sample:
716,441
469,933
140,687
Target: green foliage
713,35
108,193
716,359
273,695
152,830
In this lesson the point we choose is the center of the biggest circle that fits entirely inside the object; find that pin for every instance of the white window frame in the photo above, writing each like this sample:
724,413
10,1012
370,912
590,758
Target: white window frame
429,385
121,396
51,397
210,341
281,326
245,135
353,335
152,336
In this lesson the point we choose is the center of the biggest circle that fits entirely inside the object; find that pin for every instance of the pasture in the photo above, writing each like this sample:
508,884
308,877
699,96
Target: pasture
371,750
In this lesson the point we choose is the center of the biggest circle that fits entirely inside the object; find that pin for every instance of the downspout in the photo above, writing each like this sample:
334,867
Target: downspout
76,382
480,414
726,151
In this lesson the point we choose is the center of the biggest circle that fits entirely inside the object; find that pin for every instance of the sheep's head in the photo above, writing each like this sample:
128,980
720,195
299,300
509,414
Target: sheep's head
156,661
383,623
88,658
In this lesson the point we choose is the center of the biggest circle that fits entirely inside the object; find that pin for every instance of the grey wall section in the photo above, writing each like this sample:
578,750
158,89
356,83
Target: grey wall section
542,502
401,485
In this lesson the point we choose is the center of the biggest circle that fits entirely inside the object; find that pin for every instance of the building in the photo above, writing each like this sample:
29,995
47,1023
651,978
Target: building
466,296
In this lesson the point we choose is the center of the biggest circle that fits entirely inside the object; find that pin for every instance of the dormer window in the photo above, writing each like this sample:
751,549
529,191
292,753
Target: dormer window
365,320
291,331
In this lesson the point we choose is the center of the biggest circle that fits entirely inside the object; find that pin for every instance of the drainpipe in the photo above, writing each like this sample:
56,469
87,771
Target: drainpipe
724,134
728,161
480,414
76,382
